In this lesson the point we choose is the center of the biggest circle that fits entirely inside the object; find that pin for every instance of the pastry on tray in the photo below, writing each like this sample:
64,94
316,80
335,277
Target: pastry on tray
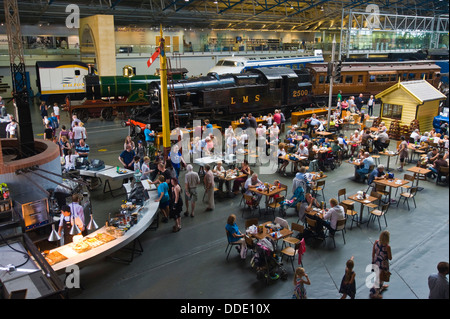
54,258
104,237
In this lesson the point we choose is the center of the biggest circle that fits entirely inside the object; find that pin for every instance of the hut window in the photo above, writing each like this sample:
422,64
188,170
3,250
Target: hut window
372,78
348,79
360,78
393,77
321,79
411,76
392,111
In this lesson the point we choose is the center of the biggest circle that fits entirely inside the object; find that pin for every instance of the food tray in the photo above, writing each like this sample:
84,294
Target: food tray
54,258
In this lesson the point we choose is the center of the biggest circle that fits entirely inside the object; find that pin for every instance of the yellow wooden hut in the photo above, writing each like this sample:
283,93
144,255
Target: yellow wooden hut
410,100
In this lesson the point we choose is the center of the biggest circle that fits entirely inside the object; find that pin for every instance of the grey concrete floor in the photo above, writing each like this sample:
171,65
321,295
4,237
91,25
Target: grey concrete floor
191,264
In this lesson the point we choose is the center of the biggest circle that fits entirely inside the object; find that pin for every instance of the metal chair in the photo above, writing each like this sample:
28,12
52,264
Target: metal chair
230,244
407,195
377,213
340,226
320,186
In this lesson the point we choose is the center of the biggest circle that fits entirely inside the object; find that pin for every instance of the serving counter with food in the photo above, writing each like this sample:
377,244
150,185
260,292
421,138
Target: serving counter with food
121,230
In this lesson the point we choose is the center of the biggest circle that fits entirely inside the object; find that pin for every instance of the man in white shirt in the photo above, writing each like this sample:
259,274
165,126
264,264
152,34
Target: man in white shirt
415,135
77,133
77,210
56,110
335,213
250,184
301,152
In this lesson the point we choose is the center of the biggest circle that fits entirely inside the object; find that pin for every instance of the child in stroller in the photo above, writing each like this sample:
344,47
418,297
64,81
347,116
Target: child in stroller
298,197
268,265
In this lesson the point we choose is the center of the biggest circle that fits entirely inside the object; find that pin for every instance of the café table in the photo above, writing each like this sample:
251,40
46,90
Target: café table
288,158
418,172
356,163
273,190
389,154
324,133
285,232
391,183
229,177
367,200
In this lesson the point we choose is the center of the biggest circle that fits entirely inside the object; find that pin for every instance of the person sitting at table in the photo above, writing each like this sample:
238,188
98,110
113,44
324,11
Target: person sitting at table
432,155
438,163
218,171
314,123
377,174
281,161
300,180
301,152
425,138
382,127
245,123
307,205
364,167
235,236
342,142
332,215
415,136
245,169
260,131
380,141
361,156
326,143
250,185
274,131
355,140
269,119
82,149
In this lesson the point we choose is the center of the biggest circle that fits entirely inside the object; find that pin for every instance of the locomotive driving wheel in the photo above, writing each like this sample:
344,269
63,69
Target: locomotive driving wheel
107,114
82,115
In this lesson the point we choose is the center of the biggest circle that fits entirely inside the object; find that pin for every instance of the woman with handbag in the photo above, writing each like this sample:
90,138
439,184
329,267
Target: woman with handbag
381,254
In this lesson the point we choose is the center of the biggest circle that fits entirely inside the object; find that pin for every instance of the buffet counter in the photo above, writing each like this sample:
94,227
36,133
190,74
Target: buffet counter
104,241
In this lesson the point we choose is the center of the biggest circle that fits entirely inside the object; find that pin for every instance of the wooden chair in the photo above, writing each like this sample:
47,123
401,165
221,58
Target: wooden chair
290,253
348,202
350,212
251,221
311,225
377,213
381,189
249,199
320,186
406,177
230,244
275,204
407,195
442,172
378,197
291,240
340,226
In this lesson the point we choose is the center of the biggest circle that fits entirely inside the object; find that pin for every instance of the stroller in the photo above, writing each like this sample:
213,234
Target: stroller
267,264
298,197
327,161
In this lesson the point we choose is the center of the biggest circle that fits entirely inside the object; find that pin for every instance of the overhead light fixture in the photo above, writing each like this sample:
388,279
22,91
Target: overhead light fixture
92,224
74,230
54,234
321,8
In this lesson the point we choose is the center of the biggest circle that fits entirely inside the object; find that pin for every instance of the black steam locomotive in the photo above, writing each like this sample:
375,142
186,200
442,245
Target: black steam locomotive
223,98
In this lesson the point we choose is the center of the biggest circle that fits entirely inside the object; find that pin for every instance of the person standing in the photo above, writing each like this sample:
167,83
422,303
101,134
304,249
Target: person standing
370,105
149,135
438,283
381,254
191,180
43,110
300,280
78,212
56,110
348,286
65,224
245,122
252,121
402,152
277,117
11,129
359,102
209,188
77,133
282,121
163,198
127,158
177,205
82,149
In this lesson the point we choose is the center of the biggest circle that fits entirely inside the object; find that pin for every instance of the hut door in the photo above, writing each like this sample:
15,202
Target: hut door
284,90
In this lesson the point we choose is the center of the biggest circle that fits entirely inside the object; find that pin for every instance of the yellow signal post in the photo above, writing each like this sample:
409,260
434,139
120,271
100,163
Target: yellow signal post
164,96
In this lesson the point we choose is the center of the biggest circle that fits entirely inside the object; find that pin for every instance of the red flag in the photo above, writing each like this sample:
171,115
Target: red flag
153,57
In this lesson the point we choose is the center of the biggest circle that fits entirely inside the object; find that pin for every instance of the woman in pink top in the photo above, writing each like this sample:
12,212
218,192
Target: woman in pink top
277,117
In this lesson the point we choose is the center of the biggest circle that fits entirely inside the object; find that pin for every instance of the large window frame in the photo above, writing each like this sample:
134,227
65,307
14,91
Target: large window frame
392,111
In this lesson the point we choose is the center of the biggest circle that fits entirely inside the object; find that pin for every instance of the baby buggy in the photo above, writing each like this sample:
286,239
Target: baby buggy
267,264
327,161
